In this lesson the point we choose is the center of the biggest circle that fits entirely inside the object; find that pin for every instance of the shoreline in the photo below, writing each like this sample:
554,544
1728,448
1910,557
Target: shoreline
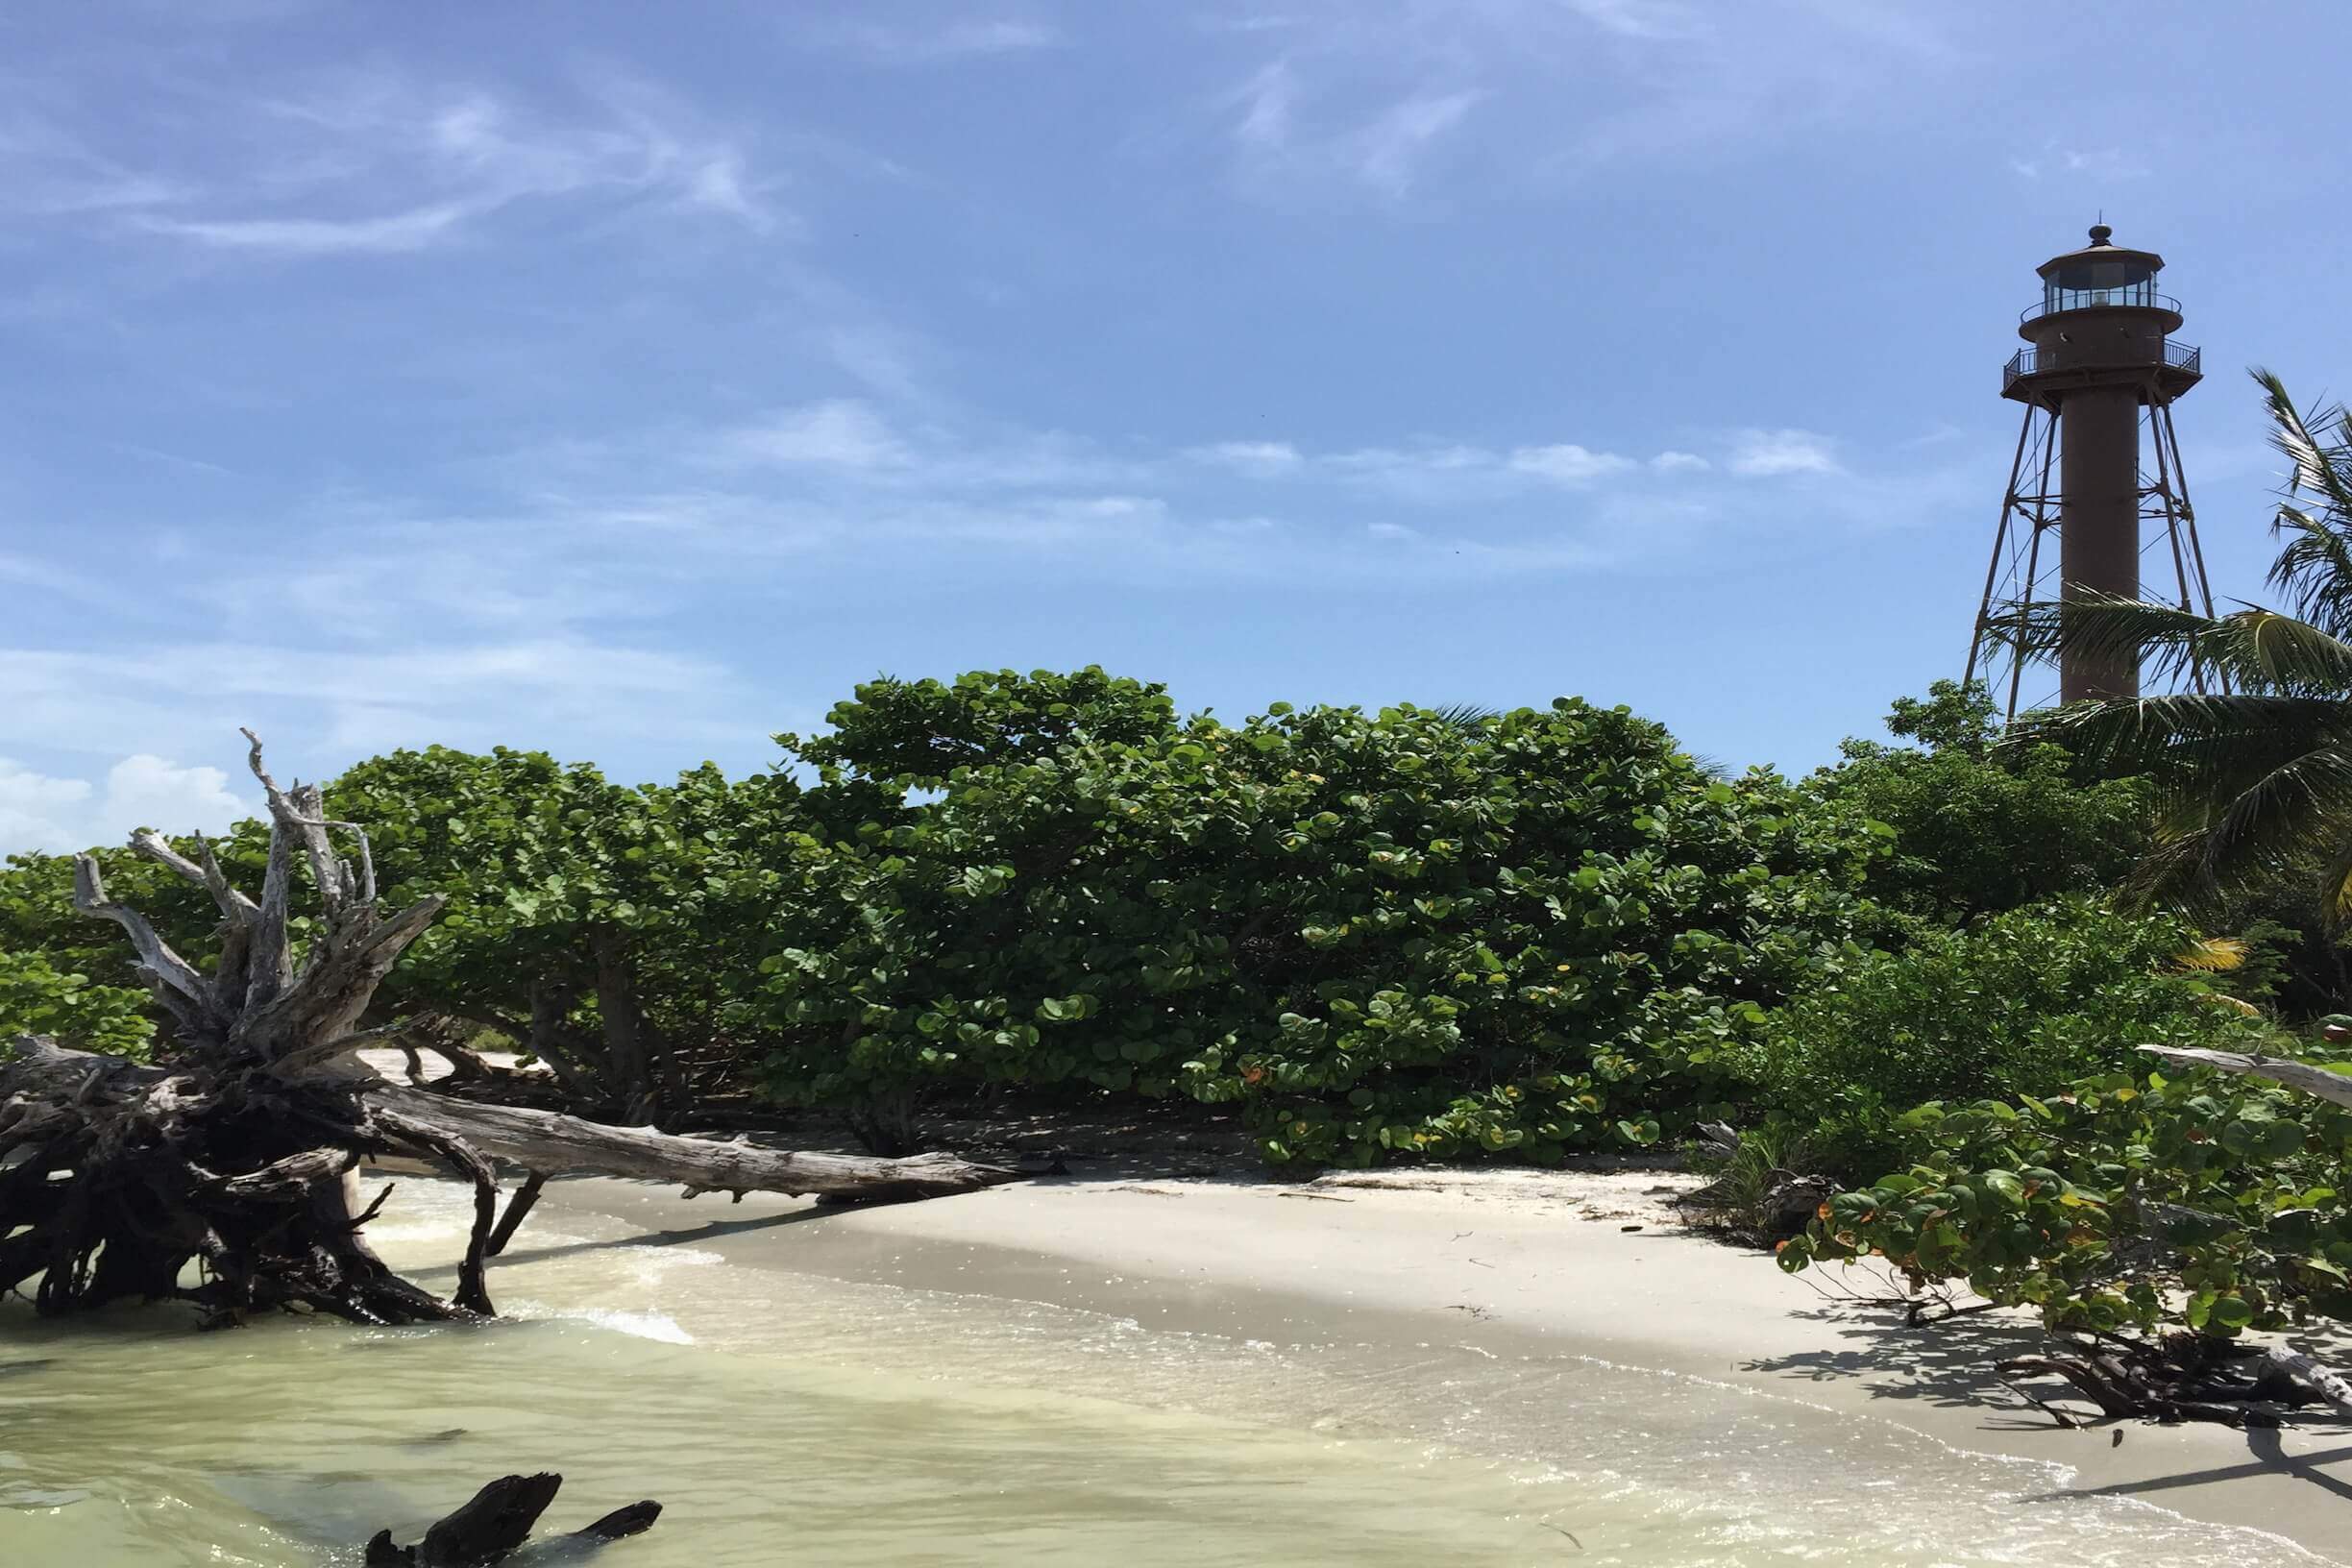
1504,1264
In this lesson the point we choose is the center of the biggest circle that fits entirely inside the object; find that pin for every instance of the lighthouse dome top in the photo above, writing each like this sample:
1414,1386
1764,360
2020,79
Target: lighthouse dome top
2104,254
2101,275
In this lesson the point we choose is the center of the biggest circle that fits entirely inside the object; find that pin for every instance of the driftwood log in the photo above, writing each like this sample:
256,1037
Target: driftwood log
497,1519
2334,1086
238,1152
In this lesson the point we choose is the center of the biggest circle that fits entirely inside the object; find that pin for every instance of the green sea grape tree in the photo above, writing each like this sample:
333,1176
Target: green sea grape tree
39,998
2130,1200
593,923
1981,827
2024,1003
1383,934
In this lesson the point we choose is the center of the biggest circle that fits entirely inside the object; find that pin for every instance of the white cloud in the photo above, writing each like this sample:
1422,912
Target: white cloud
1386,153
56,815
2091,162
841,433
1391,531
46,172
1567,463
1266,102
36,809
145,791
1762,454
1639,18
718,183
319,707
1347,100
45,578
1680,462
894,45
410,230
1418,460
1249,456
1380,150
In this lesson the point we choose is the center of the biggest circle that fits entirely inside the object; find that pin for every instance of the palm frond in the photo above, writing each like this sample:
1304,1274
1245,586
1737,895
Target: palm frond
2213,955
2336,887
1465,716
2313,568
2193,741
2250,649
2298,810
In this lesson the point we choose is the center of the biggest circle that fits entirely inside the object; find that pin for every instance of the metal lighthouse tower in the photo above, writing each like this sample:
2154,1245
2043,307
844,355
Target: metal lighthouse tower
2096,463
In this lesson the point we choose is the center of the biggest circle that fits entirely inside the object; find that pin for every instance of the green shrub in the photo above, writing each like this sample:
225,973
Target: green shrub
2024,1003
1980,826
39,998
2132,1200
1382,935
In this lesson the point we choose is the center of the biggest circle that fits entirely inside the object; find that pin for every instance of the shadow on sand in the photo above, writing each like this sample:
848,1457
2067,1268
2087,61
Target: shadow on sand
1950,1364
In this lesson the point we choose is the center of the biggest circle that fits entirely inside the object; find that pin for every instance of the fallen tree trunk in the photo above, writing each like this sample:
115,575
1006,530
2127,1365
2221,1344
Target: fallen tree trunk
237,1153
550,1141
44,1079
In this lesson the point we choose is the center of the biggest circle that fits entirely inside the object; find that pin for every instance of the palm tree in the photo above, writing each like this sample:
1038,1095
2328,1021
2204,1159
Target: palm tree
2254,768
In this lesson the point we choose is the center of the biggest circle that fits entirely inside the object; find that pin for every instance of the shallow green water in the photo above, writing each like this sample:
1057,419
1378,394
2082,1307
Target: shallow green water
785,1418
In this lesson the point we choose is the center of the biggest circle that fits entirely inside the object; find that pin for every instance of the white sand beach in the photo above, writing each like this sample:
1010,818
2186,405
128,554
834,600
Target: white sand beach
1507,1265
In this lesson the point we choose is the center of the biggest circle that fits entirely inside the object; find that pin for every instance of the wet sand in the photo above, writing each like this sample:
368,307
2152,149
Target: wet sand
1510,1264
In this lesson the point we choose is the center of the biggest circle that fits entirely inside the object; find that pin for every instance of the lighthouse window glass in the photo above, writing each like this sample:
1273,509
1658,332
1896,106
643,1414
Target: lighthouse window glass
2100,282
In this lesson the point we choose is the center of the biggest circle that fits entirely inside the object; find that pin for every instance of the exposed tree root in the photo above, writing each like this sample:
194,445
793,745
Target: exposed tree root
2180,1377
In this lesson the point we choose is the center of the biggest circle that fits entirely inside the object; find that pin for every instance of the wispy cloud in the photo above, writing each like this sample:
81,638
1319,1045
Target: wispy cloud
186,698
383,163
1568,463
2091,163
908,44
1249,456
1386,153
1765,454
840,433
1380,150
396,231
47,172
1347,101
1664,19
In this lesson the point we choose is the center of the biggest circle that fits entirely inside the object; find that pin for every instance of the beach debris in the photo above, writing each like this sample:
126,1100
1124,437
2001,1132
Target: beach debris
497,1519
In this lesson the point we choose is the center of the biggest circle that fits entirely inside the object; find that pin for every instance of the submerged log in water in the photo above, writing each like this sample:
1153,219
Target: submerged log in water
239,1153
497,1519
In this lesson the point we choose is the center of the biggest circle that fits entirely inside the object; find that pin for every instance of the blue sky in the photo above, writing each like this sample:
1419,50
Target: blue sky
630,380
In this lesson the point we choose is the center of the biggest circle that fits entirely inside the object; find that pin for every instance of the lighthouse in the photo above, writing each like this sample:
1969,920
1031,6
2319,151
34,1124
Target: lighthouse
2096,504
